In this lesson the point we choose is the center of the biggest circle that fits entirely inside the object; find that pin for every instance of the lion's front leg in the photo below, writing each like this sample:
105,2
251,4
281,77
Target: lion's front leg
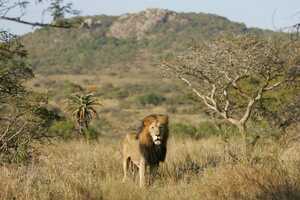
142,169
153,172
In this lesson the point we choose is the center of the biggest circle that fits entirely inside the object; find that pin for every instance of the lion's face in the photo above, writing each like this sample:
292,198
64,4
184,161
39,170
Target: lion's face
155,132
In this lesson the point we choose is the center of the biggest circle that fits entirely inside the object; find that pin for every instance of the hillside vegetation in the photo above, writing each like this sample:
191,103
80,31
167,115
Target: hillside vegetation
107,42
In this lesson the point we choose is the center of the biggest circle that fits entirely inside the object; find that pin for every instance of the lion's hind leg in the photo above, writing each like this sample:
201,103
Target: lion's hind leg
133,169
126,161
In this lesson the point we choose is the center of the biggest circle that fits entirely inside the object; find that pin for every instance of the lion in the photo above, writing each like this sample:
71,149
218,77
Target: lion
147,147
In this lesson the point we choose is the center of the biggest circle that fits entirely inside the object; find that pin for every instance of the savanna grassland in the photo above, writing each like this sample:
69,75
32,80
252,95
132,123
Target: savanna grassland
204,169
118,60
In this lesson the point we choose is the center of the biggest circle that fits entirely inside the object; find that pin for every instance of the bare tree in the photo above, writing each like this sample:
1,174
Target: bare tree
232,73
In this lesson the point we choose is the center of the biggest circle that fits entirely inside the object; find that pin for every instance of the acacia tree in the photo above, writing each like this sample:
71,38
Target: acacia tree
232,73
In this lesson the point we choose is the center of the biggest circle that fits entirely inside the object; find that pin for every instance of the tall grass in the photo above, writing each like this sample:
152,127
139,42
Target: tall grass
204,169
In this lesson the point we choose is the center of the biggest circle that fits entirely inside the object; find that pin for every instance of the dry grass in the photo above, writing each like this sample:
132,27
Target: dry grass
205,169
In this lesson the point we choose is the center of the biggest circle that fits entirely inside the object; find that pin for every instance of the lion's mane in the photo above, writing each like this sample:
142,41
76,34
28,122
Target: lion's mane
152,153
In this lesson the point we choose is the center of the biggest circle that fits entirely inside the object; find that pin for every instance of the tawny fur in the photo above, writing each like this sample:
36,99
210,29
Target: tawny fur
140,149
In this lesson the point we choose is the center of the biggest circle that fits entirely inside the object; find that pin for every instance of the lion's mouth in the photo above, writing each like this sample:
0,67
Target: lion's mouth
157,141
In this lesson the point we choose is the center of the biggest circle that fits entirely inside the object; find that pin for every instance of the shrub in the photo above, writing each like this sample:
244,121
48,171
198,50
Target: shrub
180,129
63,129
151,99
60,89
207,128
111,92
91,133
171,109
204,129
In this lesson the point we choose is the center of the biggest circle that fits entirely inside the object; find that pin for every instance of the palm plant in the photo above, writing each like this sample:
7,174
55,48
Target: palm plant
82,109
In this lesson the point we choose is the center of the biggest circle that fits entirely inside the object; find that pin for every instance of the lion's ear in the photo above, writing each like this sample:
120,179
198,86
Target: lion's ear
164,119
147,121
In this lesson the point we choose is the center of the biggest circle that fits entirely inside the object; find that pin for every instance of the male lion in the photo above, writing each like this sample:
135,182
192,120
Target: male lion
148,147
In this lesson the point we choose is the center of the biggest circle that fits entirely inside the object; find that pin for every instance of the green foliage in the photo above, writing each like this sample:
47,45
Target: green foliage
63,129
77,51
204,129
109,91
181,99
58,9
151,99
24,116
61,90
91,133
182,130
13,68
66,130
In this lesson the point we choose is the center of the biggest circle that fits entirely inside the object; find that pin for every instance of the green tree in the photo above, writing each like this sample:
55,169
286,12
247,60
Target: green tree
24,116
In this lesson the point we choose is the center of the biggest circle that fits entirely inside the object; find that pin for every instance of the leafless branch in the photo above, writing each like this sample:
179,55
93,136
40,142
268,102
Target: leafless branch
18,20
274,86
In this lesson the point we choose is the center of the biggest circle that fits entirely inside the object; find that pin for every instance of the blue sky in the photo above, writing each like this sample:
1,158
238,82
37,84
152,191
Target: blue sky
270,14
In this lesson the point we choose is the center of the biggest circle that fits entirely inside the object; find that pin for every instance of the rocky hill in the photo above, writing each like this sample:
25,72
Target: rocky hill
121,42
138,25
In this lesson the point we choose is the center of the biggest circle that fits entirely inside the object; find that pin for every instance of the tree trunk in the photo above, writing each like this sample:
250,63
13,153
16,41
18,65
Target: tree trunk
241,125
80,127
242,130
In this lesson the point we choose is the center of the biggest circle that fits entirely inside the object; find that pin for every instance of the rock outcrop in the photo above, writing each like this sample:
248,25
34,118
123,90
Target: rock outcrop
139,24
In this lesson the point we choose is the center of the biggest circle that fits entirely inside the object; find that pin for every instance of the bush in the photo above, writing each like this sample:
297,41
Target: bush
91,133
111,92
181,99
151,99
204,129
207,128
61,89
180,129
64,129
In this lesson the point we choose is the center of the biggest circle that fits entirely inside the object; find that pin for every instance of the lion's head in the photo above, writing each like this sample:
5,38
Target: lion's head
153,136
